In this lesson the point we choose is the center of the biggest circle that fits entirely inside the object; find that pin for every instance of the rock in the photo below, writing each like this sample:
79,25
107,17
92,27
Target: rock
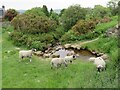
17,48
104,56
55,55
78,47
67,45
73,46
38,53
9,33
100,54
58,48
116,26
46,55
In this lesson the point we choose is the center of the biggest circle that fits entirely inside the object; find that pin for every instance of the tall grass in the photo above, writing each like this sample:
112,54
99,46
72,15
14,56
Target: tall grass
0,57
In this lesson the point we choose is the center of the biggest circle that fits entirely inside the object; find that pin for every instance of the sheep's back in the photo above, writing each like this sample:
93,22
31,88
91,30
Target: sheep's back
99,61
25,53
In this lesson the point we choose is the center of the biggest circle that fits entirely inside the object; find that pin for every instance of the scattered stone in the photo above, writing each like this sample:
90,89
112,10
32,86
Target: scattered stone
67,45
104,56
39,53
58,48
17,48
55,55
46,55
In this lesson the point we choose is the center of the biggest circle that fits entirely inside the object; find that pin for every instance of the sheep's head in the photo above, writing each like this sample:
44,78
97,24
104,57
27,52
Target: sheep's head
34,50
100,68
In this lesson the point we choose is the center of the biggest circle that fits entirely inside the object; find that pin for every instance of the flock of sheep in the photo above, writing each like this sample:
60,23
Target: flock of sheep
57,62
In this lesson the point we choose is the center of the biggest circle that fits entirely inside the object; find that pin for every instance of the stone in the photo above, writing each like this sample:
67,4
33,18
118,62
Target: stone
67,45
38,53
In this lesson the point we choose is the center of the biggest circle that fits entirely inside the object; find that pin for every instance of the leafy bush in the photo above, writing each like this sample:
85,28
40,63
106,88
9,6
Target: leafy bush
35,30
10,14
71,15
37,11
33,24
83,26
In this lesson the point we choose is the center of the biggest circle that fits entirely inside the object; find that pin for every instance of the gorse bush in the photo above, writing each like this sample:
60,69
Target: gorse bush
37,11
33,24
83,26
34,29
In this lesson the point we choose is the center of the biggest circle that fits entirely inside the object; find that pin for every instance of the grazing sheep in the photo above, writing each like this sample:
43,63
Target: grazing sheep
70,58
56,62
100,64
26,53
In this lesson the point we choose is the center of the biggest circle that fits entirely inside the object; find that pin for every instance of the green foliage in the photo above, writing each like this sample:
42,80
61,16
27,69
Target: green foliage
83,27
113,6
10,14
37,11
61,12
51,10
68,36
45,10
33,29
54,16
71,15
100,29
98,12
33,24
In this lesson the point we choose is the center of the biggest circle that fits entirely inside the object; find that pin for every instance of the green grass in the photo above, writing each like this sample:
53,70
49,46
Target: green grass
0,57
105,26
38,74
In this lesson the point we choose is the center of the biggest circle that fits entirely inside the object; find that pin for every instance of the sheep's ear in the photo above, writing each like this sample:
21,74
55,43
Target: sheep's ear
33,49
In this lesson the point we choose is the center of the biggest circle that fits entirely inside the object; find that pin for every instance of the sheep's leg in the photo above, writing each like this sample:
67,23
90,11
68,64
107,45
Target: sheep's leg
52,65
30,60
20,58
65,64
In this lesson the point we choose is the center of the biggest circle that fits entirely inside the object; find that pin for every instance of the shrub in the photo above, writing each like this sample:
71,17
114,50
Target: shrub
37,11
83,26
33,24
10,14
71,15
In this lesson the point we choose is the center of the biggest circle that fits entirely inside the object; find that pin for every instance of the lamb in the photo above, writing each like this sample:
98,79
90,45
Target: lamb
70,58
56,62
26,53
100,64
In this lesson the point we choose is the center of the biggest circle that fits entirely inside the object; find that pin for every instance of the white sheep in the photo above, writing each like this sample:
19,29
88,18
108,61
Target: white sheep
69,58
56,62
26,53
100,64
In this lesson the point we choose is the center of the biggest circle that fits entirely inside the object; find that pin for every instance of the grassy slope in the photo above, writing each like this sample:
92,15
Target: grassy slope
39,75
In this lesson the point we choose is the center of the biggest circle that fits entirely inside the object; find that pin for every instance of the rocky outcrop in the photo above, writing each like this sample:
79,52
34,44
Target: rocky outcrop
112,31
